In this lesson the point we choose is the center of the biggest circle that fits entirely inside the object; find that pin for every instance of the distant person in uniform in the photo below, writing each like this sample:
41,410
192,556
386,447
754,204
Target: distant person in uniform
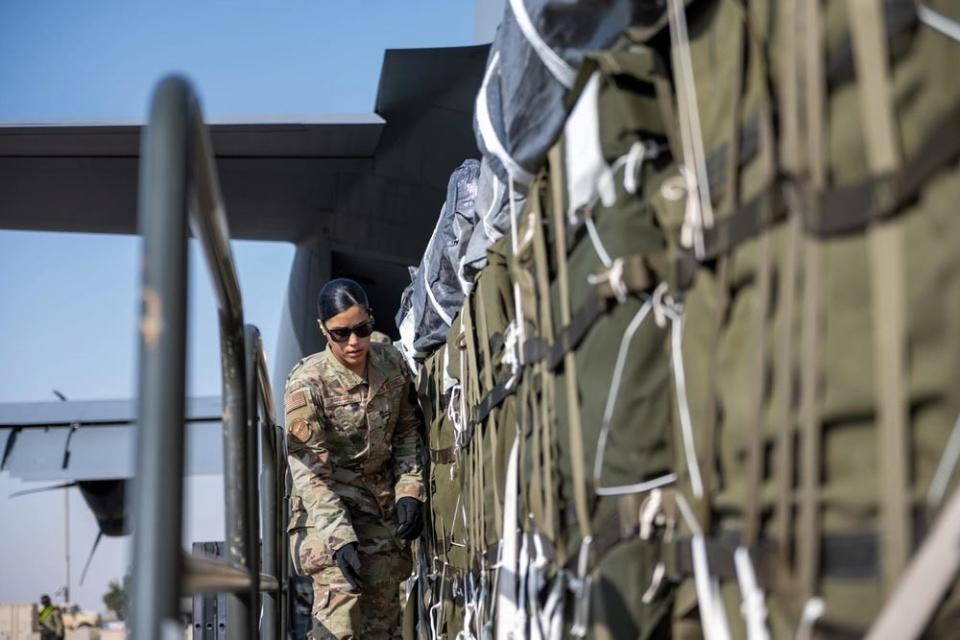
353,441
50,619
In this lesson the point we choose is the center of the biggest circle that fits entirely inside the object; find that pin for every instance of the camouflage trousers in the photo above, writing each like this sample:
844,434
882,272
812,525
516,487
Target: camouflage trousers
340,613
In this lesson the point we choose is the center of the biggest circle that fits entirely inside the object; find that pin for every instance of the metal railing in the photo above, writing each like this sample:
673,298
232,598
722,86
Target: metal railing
178,182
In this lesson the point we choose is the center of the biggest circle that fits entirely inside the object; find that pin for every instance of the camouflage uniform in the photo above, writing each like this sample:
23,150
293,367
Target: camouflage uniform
354,449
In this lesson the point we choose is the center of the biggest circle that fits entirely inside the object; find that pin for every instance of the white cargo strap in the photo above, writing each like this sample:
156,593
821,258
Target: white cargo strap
694,167
712,613
666,309
932,572
640,487
557,66
470,611
684,185
633,162
812,611
551,620
436,611
507,575
753,608
511,351
488,134
613,276
456,406
939,22
597,243
659,573
581,589
536,581
649,511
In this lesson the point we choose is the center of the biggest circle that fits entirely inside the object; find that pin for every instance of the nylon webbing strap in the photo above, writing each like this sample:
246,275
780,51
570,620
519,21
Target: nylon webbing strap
754,461
850,209
536,349
711,418
447,455
636,274
785,380
851,555
570,368
491,431
547,396
494,399
846,556
790,158
755,466
846,209
888,287
525,267
809,543
931,573
839,212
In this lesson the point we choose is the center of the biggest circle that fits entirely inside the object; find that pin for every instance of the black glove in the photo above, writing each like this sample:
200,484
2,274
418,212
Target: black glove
410,516
349,562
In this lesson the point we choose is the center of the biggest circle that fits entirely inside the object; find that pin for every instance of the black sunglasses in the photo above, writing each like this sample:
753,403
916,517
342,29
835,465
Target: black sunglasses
342,334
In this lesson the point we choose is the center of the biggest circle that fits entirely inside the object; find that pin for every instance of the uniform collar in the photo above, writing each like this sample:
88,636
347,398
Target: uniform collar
375,374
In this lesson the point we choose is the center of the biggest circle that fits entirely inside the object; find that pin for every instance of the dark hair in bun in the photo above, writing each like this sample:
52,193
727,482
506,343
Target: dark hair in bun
338,295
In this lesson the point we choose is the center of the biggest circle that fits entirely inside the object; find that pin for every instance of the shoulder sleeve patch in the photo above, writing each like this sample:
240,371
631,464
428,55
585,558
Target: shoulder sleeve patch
300,431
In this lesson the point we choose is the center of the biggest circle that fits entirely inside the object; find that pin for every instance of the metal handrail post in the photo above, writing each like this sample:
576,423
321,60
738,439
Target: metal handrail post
273,525
177,174
274,473
253,350
158,487
241,536
287,559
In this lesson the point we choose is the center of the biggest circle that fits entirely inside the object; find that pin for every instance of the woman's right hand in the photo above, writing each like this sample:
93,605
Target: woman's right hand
348,559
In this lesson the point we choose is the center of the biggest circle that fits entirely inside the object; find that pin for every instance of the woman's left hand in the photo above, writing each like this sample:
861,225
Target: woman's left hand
410,516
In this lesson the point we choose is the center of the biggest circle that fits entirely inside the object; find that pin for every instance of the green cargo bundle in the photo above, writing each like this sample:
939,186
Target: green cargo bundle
709,385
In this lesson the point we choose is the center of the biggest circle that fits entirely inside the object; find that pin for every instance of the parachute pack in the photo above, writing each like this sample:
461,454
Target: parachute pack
707,381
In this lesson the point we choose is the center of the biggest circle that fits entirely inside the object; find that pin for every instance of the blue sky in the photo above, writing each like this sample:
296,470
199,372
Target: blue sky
69,300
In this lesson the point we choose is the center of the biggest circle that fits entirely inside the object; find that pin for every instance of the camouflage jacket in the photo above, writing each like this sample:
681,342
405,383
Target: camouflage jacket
353,445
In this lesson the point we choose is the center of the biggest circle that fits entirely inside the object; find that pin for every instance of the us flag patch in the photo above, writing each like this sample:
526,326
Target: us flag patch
297,400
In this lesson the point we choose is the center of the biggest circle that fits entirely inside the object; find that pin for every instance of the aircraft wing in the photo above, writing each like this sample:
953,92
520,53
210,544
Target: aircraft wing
372,183
94,439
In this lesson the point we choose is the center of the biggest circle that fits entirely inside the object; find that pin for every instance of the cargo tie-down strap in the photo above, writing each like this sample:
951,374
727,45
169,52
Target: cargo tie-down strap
628,275
844,556
842,211
447,455
839,212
